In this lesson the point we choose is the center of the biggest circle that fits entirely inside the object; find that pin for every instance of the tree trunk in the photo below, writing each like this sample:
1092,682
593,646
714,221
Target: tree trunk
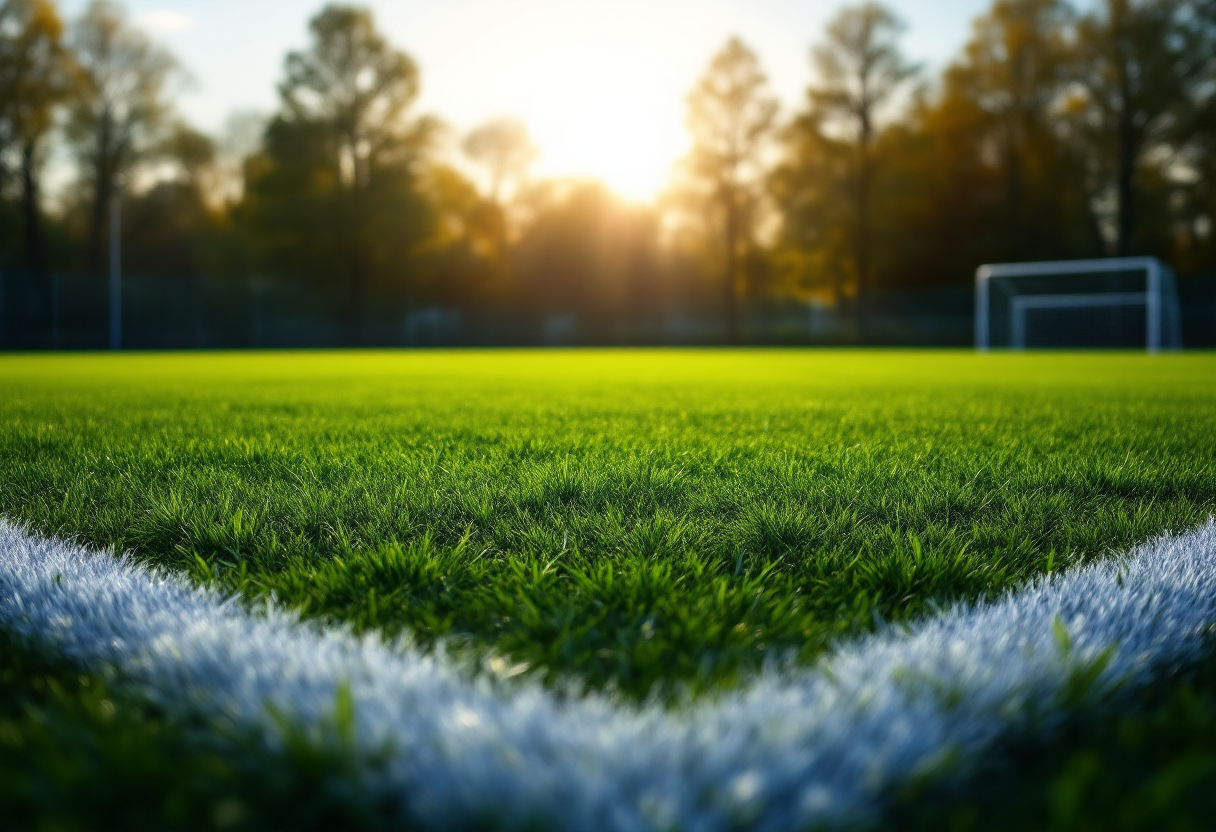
1126,186
194,291
97,220
29,204
1127,140
863,244
355,299
731,297
34,259
1013,193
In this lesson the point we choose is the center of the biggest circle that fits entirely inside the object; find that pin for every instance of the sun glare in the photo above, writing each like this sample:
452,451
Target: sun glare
600,87
602,115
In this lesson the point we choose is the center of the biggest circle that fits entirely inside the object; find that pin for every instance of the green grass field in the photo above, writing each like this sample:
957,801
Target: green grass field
644,522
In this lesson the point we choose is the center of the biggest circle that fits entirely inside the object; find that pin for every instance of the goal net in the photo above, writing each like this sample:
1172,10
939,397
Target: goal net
1123,302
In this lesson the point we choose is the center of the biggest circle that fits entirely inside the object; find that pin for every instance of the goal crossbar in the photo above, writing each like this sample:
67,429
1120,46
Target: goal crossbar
1152,268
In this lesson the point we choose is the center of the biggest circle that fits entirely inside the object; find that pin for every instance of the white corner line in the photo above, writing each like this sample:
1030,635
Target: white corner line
788,750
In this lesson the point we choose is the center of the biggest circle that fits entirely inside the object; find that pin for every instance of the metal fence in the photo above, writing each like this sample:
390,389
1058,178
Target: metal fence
68,310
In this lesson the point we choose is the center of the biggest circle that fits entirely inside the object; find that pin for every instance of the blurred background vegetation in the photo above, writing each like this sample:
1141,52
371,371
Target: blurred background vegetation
336,220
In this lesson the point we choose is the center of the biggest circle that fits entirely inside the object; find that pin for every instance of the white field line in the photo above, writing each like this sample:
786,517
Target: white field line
791,748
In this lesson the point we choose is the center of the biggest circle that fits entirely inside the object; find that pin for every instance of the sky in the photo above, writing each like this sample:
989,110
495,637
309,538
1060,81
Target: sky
600,84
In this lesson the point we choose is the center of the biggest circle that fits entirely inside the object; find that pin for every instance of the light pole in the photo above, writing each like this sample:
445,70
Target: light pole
116,266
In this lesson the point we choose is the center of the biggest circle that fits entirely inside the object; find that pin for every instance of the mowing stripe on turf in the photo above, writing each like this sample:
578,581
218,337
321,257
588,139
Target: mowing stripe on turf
789,749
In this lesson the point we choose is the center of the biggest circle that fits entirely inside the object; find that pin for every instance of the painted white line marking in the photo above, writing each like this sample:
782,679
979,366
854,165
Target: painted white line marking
789,749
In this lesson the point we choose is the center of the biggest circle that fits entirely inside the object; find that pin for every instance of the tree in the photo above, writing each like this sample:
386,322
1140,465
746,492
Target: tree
335,191
36,75
730,117
170,229
860,68
1139,64
1014,71
192,152
504,149
240,138
462,253
811,185
117,120
352,81
1194,137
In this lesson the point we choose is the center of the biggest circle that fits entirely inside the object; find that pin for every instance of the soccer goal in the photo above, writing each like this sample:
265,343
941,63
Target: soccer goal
1128,302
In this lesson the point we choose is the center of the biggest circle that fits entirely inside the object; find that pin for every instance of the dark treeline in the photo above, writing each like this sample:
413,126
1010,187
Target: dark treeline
341,219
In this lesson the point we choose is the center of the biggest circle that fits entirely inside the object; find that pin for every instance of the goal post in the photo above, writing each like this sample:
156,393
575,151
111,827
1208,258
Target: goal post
1110,302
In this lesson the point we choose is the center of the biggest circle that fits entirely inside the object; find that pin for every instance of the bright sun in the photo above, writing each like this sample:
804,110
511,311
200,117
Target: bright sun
604,117
598,84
